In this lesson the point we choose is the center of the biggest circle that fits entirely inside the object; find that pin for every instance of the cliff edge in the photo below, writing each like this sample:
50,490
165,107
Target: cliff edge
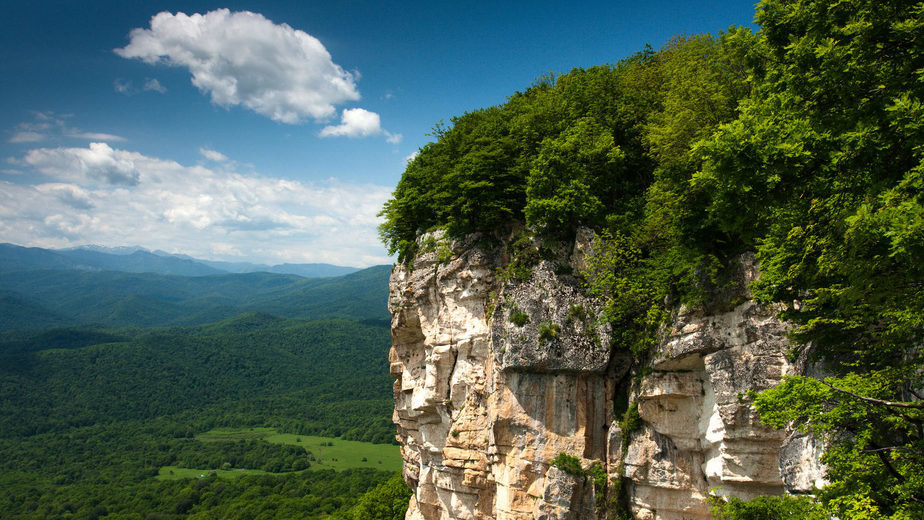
496,376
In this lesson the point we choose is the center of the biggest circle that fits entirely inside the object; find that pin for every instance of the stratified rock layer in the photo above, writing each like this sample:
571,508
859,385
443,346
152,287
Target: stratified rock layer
494,380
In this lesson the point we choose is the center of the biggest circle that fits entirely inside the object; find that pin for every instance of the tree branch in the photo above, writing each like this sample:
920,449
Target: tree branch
893,404
884,458
887,448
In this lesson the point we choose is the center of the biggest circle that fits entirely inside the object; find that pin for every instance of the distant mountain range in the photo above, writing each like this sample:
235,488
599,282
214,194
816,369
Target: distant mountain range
42,288
140,260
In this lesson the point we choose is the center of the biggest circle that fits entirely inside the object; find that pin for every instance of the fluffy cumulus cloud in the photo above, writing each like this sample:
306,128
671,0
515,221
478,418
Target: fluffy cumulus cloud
108,196
242,58
357,122
98,163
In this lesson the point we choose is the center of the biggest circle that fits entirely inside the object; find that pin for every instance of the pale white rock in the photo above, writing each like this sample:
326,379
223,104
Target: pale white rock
800,463
483,405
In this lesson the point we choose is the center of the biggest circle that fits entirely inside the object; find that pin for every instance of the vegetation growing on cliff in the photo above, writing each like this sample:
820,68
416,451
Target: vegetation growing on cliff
765,508
804,142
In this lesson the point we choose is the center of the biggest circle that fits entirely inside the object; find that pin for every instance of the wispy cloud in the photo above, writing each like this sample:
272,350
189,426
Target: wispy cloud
108,196
97,163
50,126
212,155
92,136
125,86
242,58
153,85
27,136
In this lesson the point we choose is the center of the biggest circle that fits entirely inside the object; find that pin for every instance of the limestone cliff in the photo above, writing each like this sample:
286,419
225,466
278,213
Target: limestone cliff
495,378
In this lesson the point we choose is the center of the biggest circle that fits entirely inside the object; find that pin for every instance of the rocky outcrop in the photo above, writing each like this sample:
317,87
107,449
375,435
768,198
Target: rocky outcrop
700,431
495,378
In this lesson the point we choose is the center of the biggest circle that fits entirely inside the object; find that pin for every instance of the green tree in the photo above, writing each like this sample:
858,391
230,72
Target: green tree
804,141
766,508
574,178
703,78
388,501
823,170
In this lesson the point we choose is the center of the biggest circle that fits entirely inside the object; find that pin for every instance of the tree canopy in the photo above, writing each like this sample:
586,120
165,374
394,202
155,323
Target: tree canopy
803,142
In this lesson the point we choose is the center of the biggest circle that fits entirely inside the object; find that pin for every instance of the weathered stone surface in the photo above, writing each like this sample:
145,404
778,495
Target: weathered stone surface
483,404
560,493
800,464
557,306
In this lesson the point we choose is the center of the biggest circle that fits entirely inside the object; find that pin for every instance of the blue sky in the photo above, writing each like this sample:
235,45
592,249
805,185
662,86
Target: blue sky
267,131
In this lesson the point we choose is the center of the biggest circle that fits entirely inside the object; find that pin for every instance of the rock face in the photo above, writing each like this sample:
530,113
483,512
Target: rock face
495,378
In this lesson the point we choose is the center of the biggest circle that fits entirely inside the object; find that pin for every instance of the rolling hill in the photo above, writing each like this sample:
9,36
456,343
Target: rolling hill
120,299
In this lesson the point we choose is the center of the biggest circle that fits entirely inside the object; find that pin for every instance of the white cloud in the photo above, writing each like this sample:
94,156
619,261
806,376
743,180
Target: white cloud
212,155
242,58
68,194
48,125
358,122
153,84
355,122
99,162
26,137
411,156
92,136
108,196
123,86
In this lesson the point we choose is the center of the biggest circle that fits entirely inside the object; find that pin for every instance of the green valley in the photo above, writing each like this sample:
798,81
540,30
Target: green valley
123,414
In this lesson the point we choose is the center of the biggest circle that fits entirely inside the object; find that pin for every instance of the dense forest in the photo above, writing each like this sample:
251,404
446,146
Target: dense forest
91,414
323,377
803,142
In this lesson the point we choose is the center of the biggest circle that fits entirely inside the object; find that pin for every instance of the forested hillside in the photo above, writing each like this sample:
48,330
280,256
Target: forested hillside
803,142
120,299
325,377
101,399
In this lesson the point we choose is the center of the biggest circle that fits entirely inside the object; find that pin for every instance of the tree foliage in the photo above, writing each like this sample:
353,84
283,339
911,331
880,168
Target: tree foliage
803,142
388,501
563,152
765,508
330,374
827,157
89,415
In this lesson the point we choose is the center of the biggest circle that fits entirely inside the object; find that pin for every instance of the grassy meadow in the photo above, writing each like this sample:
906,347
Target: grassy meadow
329,453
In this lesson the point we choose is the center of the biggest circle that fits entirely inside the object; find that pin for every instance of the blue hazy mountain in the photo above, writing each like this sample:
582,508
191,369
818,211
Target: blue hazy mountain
41,288
39,298
135,259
